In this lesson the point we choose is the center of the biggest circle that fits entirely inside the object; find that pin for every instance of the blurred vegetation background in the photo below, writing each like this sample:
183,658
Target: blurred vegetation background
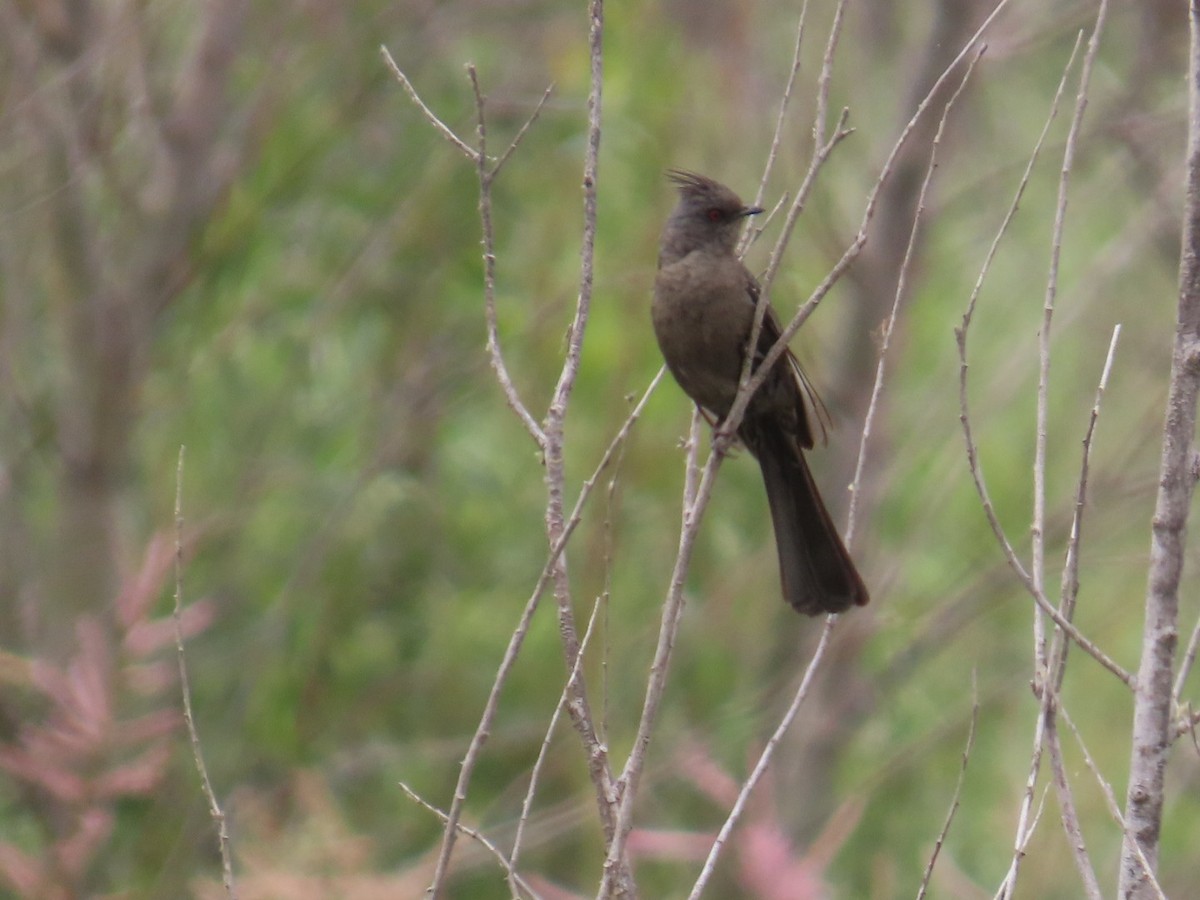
225,226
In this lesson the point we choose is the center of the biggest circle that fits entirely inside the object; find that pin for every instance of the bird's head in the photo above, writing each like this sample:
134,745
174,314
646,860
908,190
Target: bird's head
708,215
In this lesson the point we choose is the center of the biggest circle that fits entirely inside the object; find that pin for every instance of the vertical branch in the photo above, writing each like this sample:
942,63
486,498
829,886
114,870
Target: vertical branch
557,412
1152,700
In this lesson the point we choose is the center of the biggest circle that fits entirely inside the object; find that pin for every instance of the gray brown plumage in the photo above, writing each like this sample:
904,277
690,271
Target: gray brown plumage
703,312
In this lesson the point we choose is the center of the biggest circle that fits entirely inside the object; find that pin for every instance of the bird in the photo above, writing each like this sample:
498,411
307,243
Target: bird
703,313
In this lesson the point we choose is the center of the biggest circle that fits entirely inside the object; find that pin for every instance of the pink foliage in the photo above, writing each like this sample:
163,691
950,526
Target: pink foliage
106,732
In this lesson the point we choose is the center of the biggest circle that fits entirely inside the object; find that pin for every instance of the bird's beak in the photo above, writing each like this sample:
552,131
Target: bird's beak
752,210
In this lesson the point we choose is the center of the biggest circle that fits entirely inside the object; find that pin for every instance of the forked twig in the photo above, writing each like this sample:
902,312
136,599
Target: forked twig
517,639
441,127
514,878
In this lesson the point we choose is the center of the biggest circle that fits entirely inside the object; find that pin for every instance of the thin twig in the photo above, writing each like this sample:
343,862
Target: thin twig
1071,567
777,138
1005,885
962,776
442,128
521,132
1186,723
214,808
825,79
1185,665
764,760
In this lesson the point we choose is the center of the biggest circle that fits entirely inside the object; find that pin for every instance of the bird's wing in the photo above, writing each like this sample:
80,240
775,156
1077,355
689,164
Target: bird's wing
767,338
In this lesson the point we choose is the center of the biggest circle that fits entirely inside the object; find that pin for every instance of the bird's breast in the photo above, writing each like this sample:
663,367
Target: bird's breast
702,316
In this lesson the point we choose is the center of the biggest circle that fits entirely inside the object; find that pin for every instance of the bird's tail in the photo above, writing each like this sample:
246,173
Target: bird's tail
817,573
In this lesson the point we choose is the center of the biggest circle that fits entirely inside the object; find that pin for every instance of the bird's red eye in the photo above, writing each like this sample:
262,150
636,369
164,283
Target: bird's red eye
714,215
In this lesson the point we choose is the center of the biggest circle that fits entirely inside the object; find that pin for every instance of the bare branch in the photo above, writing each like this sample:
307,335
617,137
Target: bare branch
214,808
1185,667
579,706
1152,702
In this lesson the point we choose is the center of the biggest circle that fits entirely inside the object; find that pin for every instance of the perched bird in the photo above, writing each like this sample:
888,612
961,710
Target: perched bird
703,312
